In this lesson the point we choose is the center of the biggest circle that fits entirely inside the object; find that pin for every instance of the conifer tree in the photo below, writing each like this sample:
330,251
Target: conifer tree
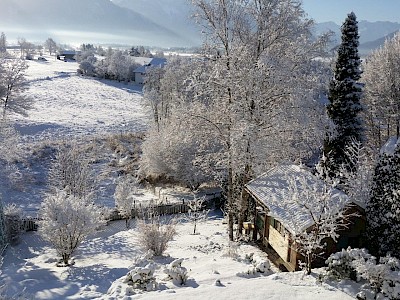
344,97
3,233
383,207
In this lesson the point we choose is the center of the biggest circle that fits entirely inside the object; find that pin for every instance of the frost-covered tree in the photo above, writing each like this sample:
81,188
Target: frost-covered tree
258,80
27,48
197,212
321,212
50,45
383,207
3,42
357,172
245,106
344,106
70,172
12,86
67,220
124,198
382,92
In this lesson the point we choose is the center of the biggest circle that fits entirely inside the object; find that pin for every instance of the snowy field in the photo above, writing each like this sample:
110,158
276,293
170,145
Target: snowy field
70,105
105,258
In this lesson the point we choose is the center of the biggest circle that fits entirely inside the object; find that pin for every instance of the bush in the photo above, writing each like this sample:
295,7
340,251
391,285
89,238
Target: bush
342,265
142,278
176,272
154,236
67,221
382,279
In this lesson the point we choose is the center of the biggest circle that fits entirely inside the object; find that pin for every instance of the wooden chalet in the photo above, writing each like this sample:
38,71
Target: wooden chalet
277,220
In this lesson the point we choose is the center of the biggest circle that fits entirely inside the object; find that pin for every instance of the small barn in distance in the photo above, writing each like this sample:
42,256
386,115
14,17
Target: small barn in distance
67,54
146,63
277,220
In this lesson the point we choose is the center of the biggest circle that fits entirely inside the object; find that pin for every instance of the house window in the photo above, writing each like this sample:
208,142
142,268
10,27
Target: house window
278,226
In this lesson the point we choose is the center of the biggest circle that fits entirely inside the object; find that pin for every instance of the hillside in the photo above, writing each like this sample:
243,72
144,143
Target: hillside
372,34
101,20
172,14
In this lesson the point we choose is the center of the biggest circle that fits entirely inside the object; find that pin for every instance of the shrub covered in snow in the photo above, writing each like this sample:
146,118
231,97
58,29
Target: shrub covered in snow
154,236
343,264
176,272
382,279
140,278
259,265
67,221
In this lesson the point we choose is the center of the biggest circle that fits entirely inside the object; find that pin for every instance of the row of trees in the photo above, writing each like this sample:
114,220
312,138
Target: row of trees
116,65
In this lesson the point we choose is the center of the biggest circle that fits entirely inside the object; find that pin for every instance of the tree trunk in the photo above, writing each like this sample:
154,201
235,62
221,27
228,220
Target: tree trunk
230,203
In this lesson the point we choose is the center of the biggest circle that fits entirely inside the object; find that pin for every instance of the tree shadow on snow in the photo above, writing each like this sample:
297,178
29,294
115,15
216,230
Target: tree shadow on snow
99,275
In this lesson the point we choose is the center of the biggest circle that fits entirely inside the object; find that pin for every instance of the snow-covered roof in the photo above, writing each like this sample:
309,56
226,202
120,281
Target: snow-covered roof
142,60
153,62
68,52
278,188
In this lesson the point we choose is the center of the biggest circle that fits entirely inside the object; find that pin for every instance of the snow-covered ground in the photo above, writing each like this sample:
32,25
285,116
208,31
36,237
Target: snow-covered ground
101,260
67,105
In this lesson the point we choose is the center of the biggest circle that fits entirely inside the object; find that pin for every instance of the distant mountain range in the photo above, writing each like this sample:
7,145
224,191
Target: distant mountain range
165,23
372,34
85,20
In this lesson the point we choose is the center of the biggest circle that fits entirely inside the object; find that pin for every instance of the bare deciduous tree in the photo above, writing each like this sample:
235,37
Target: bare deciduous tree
124,198
70,172
321,212
197,213
50,45
382,92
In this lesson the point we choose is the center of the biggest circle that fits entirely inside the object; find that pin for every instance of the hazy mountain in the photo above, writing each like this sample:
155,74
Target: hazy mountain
175,15
372,34
368,46
87,20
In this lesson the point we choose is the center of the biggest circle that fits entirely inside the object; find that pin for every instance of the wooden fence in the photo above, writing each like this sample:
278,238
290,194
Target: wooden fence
140,211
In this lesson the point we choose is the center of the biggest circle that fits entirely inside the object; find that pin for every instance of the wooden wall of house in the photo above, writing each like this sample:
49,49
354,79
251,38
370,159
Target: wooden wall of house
279,243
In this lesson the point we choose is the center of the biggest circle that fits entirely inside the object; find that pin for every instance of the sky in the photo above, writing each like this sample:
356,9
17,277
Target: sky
337,10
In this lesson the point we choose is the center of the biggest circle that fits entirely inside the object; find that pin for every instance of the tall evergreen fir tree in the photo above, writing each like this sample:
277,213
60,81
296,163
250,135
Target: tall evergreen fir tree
3,232
344,97
383,207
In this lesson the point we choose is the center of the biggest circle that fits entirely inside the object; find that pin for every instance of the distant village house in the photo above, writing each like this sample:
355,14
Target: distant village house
67,55
146,63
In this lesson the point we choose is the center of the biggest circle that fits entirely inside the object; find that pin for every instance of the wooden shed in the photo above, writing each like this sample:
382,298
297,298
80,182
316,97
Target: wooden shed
277,221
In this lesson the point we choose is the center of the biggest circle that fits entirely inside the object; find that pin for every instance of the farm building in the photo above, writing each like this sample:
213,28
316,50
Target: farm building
146,63
67,54
278,220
